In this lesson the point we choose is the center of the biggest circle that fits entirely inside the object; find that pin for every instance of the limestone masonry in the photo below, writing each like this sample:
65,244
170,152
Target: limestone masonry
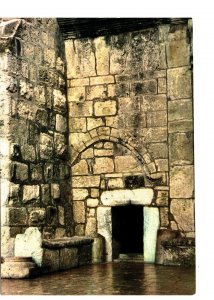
90,124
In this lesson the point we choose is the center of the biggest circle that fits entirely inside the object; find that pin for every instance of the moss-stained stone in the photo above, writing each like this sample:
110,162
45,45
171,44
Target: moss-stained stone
103,165
181,148
180,126
16,216
153,102
161,85
55,191
183,212
79,211
19,171
68,258
179,83
164,219
127,164
81,168
105,108
45,146
37,216
181,182
77,124
79,230
157,118
82,109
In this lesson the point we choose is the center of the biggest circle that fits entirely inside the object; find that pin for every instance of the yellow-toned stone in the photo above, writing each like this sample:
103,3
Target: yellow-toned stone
79,194
101,80
181,182
77,124
81,109
88,153
76,94
102,56
81,168
91,227
162,165
97,91
127,164
92,202
115,183
94,122
179,83
161,85
103,165
95,193
79,82
86,181
79,211
183,212
103,152
112,121
105,108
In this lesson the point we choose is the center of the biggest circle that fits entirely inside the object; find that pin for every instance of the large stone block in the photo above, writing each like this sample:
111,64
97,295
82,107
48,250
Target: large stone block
154,102
37,216
154,134
68,258
30,192
19,171
157,118
61,123
181,182
81,168
78,82
102,80
103,165
103,152
94,123
105,108
79,194
91,227
79,211
183,212
181,148
81,109
85,181
178,53
77,124
76,94
180,126
50,260
180,110
59,144
146,87
158,150
59,100
30,244
102,56
45,146
115,183
127,164
14,216
179,83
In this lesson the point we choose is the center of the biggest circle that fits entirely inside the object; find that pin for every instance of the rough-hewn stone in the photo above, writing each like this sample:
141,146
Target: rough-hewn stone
126,164
37,216
76,94
105,108
46,146
94,123
81,168
183,212
178,53
79,194
179,110
31,192
115,183
79,211
91,227
179,83
181,148
55,191
181,182
103,165
68,258
102,56
157,118
61,123
86,181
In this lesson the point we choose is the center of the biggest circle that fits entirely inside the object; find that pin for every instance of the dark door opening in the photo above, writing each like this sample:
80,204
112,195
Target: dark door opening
127,230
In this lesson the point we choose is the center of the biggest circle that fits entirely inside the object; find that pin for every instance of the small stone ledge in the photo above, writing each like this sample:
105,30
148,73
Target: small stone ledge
67,242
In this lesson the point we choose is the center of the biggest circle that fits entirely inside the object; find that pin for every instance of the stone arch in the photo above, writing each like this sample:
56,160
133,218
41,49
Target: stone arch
105,133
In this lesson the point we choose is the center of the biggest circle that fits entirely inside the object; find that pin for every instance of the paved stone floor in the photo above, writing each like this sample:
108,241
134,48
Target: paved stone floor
118,278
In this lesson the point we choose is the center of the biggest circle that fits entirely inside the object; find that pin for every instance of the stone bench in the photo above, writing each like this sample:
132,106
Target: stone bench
66,253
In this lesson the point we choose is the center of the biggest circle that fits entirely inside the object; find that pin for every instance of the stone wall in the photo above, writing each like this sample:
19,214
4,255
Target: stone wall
130,115
33,123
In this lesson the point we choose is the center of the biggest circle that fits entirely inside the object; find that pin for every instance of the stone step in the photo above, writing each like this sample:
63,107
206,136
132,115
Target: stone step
131,257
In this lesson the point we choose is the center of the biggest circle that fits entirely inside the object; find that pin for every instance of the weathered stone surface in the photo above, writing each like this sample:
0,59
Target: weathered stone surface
178,53
115,183
79,82
45,193
158,150
181,182
59,100
162,165
85,255
141,196
60,232
50,260
36,172
55,191
81,109
103,165
14,216
30,244
164,220
181,148
61,123
79,230
127,164
28,152
31,192
183,212
94,123
180,126
86,181
76,94
179,83
68,258
95,193
14,190
162,198
102,80
154,134
77,124
19,171
37,216
81,168
146,87
88,153
103,152
79,211
180,109
61,215
157,118
59,144
151,225
105,108
154,103
102,56
91,227
161,85
98,249
79,194
45,146
92,202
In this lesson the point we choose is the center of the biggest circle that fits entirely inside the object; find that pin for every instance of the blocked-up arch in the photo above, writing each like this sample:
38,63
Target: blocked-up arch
111,134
